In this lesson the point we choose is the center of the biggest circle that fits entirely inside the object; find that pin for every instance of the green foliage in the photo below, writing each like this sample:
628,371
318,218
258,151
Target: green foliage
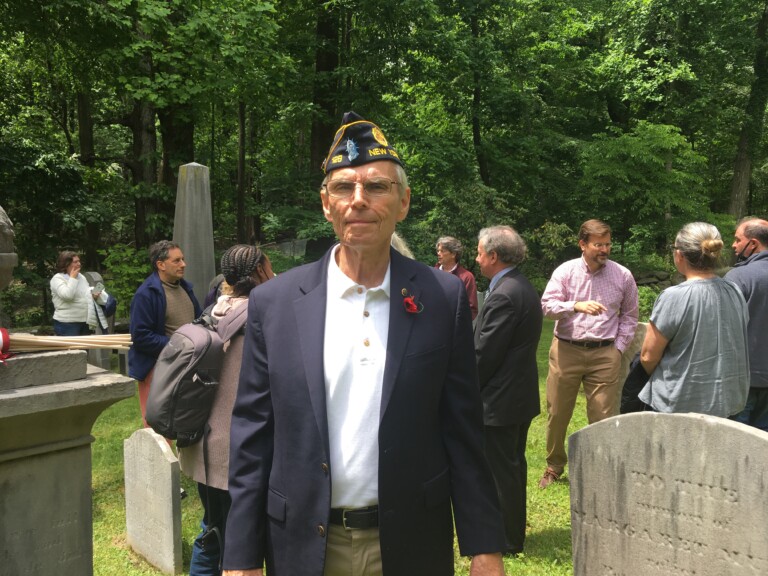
126,269
649,176
646,297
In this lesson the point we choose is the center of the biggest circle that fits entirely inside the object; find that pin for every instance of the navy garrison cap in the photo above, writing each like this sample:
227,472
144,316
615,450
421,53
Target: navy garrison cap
358,142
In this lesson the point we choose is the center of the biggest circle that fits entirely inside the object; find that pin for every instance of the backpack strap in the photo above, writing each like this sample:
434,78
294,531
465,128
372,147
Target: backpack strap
230,324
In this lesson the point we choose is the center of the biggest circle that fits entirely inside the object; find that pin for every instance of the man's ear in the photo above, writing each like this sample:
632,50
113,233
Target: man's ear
326,206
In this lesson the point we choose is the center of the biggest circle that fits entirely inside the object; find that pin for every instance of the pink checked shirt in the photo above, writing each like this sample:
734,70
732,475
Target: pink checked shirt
612,286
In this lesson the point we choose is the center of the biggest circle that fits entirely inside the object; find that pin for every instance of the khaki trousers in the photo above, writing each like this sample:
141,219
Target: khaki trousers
352,552
569,367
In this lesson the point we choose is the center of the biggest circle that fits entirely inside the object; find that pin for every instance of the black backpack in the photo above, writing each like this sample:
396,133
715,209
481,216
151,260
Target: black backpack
186,376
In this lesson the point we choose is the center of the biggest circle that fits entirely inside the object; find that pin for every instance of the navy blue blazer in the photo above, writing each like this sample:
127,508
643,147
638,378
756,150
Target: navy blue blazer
431,463
507,334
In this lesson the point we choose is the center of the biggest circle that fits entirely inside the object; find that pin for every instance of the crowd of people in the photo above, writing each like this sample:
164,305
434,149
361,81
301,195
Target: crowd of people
371,406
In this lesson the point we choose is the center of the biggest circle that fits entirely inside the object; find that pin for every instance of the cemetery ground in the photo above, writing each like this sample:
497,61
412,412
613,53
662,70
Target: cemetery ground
548,542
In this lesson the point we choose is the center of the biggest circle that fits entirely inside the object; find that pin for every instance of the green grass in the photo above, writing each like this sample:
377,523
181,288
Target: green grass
547,547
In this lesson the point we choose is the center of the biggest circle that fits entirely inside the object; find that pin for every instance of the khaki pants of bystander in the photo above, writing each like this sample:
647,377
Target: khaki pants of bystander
569,367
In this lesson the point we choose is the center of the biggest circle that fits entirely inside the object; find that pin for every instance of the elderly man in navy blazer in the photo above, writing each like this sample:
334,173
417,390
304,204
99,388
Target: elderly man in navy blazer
357,432
507,334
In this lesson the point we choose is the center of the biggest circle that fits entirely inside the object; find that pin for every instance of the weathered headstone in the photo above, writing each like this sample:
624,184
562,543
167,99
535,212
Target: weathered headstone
152,500
193,226
8,258
669,494
98,356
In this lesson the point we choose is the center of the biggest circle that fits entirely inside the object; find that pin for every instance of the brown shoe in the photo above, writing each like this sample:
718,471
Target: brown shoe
549,477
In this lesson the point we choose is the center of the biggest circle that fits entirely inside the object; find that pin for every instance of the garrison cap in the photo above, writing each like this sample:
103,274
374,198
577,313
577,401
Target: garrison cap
357,142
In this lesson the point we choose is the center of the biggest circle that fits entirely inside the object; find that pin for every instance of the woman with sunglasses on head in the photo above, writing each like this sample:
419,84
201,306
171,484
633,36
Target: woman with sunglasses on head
695,349
207,462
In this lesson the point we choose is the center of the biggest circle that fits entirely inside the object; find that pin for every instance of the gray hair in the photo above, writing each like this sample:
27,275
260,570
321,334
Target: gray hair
452,245
755,229
700,244
400,245
159,251
508,245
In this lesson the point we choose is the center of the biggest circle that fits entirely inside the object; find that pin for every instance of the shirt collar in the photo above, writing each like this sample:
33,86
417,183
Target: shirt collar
497,277
339,284
451,270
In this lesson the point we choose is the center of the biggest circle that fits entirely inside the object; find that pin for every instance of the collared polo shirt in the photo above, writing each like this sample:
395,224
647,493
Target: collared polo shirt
355,353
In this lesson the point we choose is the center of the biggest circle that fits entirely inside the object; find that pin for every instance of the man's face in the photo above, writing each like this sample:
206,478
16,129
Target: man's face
445,258
596,250
363,220
743,247
486,261
172,268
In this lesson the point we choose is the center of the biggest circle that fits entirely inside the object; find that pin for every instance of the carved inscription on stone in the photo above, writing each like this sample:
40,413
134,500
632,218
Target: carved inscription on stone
655,494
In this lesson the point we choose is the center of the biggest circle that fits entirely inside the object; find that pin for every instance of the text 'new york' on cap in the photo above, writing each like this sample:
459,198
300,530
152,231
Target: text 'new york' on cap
357,142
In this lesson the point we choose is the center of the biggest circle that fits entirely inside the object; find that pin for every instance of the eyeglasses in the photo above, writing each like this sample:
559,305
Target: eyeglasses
373,187
601,245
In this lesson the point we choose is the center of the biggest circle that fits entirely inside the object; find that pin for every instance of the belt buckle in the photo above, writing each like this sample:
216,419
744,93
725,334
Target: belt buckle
344,519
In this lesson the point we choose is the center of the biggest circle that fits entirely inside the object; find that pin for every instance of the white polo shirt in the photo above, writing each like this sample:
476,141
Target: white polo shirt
355,352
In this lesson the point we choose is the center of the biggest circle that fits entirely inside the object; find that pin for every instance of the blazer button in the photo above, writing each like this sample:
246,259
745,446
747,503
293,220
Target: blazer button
321,530
324,466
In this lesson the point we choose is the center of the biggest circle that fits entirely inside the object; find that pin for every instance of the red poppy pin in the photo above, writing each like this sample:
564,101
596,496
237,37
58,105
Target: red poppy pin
410,304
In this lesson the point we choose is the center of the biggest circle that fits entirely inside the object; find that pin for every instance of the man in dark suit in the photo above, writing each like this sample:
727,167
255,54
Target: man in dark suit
357,432
506,337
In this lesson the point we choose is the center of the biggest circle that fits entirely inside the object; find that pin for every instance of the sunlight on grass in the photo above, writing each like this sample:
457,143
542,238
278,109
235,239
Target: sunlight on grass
547,547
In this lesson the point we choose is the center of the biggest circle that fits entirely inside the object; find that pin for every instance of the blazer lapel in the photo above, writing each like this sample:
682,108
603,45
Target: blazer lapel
309,310
402,279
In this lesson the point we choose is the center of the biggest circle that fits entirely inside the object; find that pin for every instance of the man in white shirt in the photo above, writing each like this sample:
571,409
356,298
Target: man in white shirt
357,432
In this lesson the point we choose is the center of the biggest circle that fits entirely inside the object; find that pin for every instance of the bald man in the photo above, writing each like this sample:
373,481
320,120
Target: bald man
750,274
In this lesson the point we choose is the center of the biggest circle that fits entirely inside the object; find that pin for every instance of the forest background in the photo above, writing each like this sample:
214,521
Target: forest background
535,113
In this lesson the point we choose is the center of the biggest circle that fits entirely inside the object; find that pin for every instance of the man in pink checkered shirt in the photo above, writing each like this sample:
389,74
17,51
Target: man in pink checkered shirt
594,301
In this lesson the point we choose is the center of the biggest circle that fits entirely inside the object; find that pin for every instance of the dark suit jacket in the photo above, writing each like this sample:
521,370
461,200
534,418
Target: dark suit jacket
430,431
507,334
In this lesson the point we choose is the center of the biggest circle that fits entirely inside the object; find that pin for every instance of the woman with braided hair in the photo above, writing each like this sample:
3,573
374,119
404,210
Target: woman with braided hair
695,349
207,462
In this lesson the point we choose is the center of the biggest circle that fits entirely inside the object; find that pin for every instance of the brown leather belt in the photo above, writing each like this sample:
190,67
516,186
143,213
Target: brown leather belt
587,343
355,518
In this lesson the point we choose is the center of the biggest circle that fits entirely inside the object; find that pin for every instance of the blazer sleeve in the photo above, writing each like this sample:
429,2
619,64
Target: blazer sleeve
478,520
251,451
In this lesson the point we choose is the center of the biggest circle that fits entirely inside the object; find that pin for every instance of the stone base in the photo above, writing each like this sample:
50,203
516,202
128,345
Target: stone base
45,463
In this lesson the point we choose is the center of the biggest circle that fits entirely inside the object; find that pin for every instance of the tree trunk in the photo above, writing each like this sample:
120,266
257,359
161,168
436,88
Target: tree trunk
88,158
178,131
254,180
477,139
242,233
752,129
143,165
326,63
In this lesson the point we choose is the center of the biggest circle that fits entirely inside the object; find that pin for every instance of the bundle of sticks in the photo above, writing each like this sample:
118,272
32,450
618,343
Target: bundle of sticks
12,343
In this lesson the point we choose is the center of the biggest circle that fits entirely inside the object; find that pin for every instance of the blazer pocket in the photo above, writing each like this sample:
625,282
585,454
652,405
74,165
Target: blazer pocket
422,355
276,505
438,489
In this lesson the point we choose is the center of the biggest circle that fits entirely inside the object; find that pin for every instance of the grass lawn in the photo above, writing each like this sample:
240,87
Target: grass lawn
548,544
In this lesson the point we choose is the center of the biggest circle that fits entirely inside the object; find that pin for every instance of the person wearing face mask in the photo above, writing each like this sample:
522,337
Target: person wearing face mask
750,274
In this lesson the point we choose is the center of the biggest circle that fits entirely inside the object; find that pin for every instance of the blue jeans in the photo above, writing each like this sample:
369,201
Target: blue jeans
755,413
70,328
206,556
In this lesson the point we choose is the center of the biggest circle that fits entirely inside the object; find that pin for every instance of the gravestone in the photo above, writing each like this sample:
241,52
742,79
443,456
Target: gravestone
98,356
669,494
193,226
153,500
